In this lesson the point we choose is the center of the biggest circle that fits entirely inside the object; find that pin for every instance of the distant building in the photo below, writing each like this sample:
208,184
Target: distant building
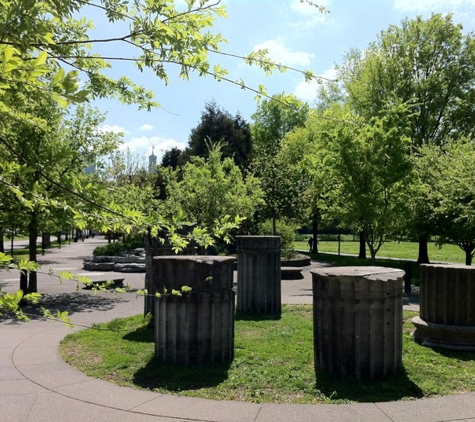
152,162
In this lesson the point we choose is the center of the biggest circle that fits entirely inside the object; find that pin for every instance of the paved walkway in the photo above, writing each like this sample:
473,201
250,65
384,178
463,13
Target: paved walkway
36,385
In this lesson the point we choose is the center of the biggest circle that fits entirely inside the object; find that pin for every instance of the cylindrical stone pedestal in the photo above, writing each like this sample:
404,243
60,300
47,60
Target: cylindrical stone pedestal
357,316
197,328
447,307
259,287
153,247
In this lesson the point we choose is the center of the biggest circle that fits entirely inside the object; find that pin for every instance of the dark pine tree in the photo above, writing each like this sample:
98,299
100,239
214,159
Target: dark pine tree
218,126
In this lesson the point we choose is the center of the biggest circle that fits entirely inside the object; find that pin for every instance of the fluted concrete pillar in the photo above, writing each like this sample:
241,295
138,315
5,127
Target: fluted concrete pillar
357,315
259,286
198,327
153,247
447,307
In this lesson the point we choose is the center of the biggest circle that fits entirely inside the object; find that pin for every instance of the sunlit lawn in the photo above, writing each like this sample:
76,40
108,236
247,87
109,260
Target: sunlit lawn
273,363
400,250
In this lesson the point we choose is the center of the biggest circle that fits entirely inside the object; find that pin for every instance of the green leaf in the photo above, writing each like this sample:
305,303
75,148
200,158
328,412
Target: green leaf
42,57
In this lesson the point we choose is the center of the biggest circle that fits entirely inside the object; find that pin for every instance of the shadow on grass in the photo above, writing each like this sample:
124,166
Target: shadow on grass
143,334
396,387
242,316
175,377
462,355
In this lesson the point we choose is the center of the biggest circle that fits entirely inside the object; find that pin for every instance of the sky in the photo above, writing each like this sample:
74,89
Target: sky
295,34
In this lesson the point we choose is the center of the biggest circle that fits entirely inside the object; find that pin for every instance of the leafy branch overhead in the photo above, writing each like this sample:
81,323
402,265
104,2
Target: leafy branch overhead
38,41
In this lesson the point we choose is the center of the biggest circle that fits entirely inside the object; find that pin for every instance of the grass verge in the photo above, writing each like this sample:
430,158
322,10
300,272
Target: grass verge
393,250
273,363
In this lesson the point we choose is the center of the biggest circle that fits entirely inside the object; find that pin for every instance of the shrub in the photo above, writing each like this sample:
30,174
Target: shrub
284,229
116,248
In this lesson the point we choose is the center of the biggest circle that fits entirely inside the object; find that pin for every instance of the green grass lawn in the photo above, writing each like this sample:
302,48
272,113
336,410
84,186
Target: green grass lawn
22,252
400,250
273,363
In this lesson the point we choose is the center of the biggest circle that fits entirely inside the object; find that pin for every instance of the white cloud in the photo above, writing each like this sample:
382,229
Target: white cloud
279,53
430,5
307,91
111,128
146,127
145,143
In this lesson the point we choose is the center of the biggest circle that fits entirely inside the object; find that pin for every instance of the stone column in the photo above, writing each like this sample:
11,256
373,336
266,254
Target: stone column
447,307
357,316
153,247
198,327
259,287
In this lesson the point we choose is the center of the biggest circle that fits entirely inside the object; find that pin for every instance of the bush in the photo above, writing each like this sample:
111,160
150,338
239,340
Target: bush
116,248
285,230
111,249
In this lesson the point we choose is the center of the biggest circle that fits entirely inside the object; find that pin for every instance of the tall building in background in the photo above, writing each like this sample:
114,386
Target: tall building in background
152,162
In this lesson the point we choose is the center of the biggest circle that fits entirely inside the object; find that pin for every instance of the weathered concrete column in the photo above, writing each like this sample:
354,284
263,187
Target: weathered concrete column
357,316
153,247
197,328
259,287
447,307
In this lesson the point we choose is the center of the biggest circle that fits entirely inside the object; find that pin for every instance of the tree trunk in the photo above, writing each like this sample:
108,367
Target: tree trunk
32,234
373,256
46,238
24,282
315,234
468,249
362,253
423,257
2,233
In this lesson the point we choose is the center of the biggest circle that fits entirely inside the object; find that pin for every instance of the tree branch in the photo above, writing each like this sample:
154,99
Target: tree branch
55,183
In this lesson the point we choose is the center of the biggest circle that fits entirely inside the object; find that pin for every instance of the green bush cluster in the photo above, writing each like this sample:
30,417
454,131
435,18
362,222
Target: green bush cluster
285,230
116,248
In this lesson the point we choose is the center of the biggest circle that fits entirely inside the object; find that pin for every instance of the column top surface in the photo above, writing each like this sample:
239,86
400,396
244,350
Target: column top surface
258,243
195,258
449,265
370,273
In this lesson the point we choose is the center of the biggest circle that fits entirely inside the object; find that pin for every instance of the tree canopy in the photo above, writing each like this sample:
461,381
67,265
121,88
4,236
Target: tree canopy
217,126
273,119
428,65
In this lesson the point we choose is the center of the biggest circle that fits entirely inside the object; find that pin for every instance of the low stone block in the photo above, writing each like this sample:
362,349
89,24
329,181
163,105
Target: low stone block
130,268
98,266
102,258
291,273
126,259
300,260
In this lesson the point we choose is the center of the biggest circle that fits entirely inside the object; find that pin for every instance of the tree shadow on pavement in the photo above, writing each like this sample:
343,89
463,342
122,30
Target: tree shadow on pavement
74,303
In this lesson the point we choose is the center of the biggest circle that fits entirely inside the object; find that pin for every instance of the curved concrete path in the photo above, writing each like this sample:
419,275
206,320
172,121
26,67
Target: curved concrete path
36,385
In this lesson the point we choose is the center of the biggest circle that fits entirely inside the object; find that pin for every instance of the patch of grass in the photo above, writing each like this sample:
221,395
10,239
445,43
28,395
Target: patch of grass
273,363
399,250
22,252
